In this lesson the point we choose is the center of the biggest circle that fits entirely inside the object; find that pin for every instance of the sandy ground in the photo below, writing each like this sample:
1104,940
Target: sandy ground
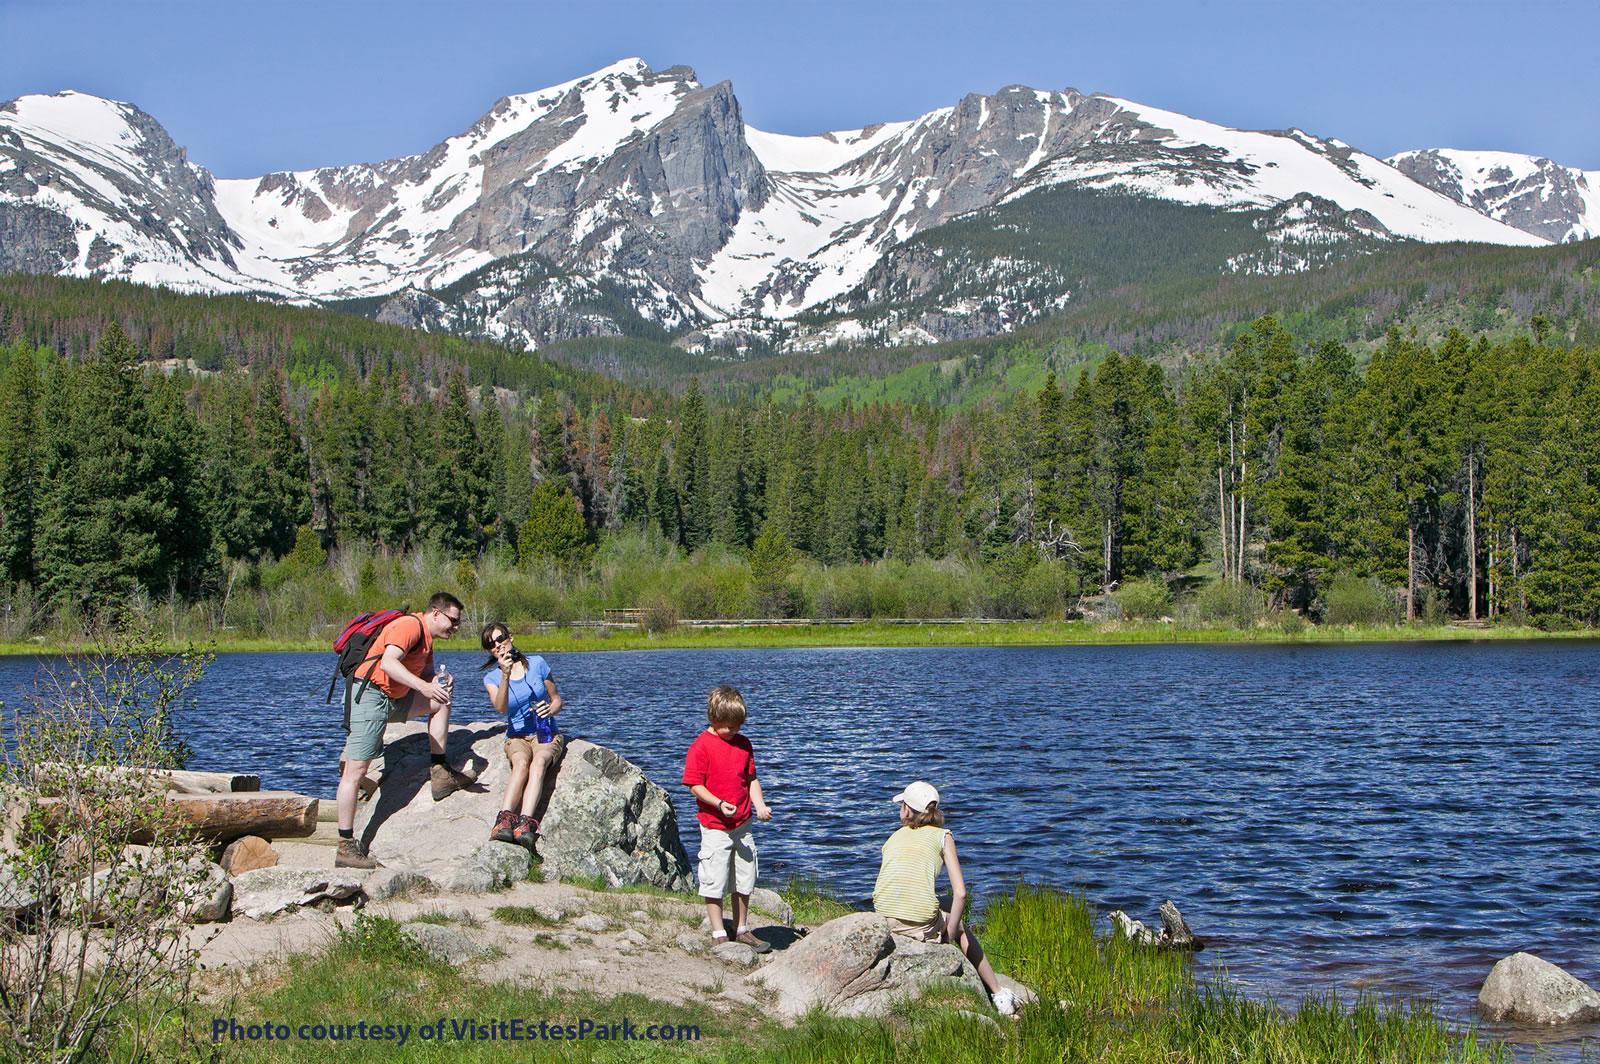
645,940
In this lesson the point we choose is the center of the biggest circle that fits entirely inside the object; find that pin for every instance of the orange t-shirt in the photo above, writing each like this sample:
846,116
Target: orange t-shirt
416,652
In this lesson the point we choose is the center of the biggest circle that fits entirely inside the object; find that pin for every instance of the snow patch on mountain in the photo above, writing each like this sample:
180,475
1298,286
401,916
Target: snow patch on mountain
1205,164
1535,194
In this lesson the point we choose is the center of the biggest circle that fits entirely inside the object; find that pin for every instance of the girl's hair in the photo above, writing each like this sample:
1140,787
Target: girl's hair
487,639
928,818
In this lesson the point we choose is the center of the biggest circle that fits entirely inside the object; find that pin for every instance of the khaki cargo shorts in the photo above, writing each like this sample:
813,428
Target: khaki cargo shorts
522,749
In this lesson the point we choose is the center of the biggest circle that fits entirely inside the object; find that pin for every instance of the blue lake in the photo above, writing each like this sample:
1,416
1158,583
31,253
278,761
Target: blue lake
1389,817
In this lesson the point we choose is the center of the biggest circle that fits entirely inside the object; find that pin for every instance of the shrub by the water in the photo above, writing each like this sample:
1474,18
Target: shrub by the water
1352,599
1144,600
1229,602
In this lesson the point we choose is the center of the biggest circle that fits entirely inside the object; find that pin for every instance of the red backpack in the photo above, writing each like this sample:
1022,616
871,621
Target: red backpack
352,647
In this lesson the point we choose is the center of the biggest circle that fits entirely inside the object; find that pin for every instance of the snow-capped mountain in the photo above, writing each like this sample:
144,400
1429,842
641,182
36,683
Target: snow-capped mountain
1559,203
633,199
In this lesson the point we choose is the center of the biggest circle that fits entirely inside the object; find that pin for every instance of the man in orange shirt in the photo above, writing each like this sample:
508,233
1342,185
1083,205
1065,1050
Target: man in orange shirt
397,683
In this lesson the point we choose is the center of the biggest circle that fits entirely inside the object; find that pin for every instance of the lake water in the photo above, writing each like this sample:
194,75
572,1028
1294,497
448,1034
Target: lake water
1390,817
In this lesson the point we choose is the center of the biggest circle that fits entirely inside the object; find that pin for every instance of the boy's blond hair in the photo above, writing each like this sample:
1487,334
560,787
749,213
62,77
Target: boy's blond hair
725,706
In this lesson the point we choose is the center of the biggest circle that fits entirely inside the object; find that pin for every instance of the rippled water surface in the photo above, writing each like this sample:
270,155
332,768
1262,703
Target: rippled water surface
1387,817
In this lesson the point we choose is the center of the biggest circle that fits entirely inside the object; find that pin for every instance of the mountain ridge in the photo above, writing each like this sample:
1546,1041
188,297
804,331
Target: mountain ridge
648,188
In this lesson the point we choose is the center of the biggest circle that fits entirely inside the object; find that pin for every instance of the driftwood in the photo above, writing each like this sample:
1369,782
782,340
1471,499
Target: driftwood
178,781
1174,933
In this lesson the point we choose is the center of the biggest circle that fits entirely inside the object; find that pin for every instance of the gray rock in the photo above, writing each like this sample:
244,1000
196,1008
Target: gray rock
736,953
1523,988
267,891
18,900
854,966
634,937
607,819
492,866
593,923
690,942
211,897
444,943
765,900
387,883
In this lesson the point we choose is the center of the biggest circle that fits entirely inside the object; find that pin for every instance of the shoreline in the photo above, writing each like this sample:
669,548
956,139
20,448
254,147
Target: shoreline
867,635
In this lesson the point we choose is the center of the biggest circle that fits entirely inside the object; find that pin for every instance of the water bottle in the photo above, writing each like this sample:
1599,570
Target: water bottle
444,679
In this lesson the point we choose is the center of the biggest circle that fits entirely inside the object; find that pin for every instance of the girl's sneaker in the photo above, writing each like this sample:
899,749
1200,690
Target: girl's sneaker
1005,1002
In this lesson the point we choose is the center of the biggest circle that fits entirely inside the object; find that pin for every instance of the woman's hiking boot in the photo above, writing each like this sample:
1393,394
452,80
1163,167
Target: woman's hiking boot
352,854
501,832
446,781
526,833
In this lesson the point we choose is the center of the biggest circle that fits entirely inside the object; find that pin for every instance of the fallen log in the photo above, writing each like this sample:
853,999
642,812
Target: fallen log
181,781
213,817
269,814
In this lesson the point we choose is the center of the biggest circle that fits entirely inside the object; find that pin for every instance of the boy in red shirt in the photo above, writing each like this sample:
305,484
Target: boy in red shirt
720,771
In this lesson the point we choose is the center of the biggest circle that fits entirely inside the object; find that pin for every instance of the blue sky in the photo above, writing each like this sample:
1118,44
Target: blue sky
249,87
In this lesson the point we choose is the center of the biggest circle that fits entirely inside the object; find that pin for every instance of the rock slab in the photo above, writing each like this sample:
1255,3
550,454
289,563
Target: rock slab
1523,988
443,943
492,866
854,966
268,891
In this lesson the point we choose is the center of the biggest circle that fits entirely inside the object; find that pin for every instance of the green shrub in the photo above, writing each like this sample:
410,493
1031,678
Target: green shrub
1145,599
1352,599
1229,602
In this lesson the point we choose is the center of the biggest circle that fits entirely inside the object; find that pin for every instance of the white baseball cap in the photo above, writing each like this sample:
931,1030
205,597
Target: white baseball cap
918,796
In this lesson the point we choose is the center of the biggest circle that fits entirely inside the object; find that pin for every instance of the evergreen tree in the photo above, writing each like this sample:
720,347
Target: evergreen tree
555,530
691,456
18,462
109,504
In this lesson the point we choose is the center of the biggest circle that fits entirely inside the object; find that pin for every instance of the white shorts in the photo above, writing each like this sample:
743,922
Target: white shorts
720,850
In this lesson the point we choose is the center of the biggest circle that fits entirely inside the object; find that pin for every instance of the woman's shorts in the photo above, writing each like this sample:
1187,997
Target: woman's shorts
521,748
927,931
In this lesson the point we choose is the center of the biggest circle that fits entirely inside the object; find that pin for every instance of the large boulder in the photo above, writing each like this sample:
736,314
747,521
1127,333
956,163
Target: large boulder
604,817
854,966
1523,988
607,819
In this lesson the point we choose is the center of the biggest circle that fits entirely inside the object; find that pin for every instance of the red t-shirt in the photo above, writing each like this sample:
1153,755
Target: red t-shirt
726,767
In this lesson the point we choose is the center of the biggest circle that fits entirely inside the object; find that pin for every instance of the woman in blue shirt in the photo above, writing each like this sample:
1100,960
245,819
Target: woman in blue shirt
523,691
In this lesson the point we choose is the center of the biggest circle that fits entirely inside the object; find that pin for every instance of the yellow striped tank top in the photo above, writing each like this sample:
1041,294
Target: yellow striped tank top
912,858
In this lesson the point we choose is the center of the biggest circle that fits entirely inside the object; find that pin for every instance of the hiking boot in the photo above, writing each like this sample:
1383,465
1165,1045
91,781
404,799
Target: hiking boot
447,781
749,939
526,834
501,832
352,854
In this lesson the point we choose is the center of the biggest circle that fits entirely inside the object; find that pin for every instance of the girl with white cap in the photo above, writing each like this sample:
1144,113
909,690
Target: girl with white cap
905,891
